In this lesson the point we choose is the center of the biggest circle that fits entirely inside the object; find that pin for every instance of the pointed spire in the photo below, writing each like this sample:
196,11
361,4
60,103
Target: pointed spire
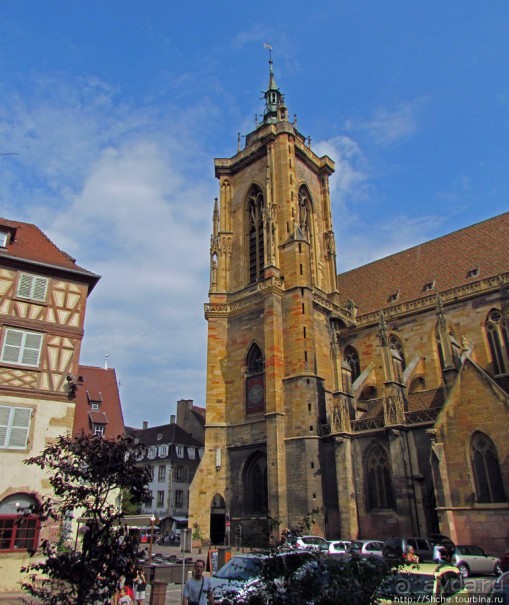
273,96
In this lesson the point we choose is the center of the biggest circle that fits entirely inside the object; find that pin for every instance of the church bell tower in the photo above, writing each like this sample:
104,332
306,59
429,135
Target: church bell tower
272,301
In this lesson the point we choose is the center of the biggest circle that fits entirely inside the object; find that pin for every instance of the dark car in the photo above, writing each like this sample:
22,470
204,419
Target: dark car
499,593
504,560
444,541
394,549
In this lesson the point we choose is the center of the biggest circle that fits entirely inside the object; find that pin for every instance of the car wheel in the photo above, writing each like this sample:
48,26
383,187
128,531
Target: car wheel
463,569
497,570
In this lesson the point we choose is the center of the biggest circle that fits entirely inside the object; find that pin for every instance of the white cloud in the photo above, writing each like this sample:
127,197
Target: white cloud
351,178
128,194
387,127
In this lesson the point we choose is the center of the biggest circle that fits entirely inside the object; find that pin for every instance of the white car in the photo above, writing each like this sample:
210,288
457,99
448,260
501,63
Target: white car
339,547
311,543
471,559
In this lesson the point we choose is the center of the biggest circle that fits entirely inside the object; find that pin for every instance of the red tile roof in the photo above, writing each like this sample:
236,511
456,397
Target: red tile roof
28,242
98,380
446,260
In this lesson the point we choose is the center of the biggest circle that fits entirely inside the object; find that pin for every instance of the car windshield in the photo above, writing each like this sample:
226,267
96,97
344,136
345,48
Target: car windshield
240,568
407,586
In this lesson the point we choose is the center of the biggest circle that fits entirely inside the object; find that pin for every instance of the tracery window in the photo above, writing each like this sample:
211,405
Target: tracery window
498,340
352,357
486,468
255,208
255,484
379,488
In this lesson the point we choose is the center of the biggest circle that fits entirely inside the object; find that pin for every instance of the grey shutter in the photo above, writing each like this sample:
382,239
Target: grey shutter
4,424
12,346
32,349
20,428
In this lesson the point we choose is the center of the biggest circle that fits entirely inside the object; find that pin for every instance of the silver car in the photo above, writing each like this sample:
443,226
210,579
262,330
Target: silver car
471,559
367,548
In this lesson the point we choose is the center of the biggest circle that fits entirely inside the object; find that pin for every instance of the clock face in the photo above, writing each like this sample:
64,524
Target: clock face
255,393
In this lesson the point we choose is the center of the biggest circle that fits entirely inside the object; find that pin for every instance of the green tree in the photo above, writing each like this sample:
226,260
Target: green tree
87,475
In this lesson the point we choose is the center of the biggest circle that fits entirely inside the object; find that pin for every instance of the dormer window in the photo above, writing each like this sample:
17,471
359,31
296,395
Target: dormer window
94,406
4,238
180,451
428,286
94,399
473,272
191,452
163,451
152,452
394,297
159,436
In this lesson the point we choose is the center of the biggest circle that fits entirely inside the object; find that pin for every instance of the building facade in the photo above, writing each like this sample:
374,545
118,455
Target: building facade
376,398
43,295
173,454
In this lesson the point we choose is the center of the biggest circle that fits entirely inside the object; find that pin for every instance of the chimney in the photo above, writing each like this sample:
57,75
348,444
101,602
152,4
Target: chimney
145,425
172,419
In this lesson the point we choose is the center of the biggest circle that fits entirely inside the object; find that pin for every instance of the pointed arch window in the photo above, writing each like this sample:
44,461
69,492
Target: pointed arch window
486,468
255,208
379,488
352,357
498,339
255,380
255,485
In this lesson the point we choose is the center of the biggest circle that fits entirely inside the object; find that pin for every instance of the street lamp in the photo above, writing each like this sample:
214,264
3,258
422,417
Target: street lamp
152,520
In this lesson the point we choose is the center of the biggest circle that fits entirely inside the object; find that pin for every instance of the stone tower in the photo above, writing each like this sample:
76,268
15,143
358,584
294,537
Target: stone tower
273,371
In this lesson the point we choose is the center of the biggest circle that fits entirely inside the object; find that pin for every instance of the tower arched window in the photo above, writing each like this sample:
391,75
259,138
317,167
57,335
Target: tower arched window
486,468
498,339
255,208
255,380
380,493
352,357
255,484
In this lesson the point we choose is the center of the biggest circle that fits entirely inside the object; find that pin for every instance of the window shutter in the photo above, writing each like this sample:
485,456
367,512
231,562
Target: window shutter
40,287
4,425
20,428
12,346
32,349
25,285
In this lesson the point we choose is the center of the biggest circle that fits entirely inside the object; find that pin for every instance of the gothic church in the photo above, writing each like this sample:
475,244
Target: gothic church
378,397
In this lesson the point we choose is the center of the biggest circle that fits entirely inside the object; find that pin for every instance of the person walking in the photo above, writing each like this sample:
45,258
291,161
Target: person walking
198,588
140,585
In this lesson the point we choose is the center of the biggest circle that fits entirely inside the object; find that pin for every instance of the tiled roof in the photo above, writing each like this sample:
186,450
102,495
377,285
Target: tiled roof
445,261
164,434
28,242
98,380
425,400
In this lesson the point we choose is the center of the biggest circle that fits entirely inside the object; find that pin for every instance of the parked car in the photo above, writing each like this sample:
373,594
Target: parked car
311,543
339,547
504,560
367,548
471,559
394,549
242,574
499,593
425,583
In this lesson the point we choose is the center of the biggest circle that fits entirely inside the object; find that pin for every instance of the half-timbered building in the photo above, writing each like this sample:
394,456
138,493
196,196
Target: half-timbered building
43,295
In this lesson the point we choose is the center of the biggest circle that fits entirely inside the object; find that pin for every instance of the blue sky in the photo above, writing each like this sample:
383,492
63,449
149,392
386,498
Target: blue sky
116,110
